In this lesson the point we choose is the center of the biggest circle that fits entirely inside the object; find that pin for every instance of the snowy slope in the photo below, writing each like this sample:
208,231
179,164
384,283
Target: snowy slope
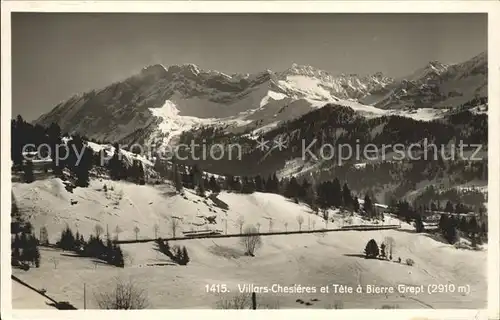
25,298
307,259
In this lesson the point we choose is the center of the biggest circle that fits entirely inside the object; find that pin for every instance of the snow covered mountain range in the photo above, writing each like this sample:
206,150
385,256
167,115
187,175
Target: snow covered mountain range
160,103
436,85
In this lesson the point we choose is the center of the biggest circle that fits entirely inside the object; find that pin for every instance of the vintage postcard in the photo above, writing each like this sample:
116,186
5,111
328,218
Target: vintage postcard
333,158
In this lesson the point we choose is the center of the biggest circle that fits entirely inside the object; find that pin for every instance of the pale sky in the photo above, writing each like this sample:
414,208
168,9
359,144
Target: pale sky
55,55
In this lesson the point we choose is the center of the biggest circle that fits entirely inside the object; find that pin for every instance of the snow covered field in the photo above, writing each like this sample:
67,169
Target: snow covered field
311,260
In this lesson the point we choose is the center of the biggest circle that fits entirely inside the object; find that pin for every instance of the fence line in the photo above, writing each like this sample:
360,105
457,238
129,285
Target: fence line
236,235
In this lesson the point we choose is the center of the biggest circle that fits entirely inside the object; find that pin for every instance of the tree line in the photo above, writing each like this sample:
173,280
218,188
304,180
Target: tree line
24,246
94,247
78,158
178,254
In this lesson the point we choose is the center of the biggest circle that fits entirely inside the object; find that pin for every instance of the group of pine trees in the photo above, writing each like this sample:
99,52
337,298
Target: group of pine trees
450,225
95,247
76,156
24,247
118,169
324,195
176,253
372,250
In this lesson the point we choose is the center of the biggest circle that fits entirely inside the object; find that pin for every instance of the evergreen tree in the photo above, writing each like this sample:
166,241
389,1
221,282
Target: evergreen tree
322,195
67,241
236,185
29,176
177,178
272,184
443,221
116,165
118,257
36,257
336,193
185,256
463,225
259,184
54,141
310,197
448,225
28,228
23,245
197,180
473,226
80,160
77,243
213,185
355,204
159,167
248,185
179,254
449,207
17,142
291,188
16,254
371,249
451,234
347,197
368,206
484,229
434,206
419,225
201,187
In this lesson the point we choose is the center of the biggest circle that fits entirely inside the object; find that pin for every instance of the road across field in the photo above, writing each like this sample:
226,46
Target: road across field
236,235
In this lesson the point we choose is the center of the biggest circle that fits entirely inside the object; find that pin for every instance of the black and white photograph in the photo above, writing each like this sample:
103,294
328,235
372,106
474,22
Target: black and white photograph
248,160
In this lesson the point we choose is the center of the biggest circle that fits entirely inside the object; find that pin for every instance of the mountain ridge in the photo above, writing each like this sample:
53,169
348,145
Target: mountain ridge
255,100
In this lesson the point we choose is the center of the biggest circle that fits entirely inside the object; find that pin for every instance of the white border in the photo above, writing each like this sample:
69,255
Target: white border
491,7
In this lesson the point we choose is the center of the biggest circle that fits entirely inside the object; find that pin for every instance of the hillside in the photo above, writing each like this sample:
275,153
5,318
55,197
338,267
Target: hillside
392,168
310,259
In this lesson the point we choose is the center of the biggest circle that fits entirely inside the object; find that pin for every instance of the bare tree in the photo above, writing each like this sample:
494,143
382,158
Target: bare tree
98,230
44,236
55,261
174,225
125,296
300,221
390,244
136,231
241,301
251,241
326,217
118,231
258,226
240,222
156,229
286,226
129,258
